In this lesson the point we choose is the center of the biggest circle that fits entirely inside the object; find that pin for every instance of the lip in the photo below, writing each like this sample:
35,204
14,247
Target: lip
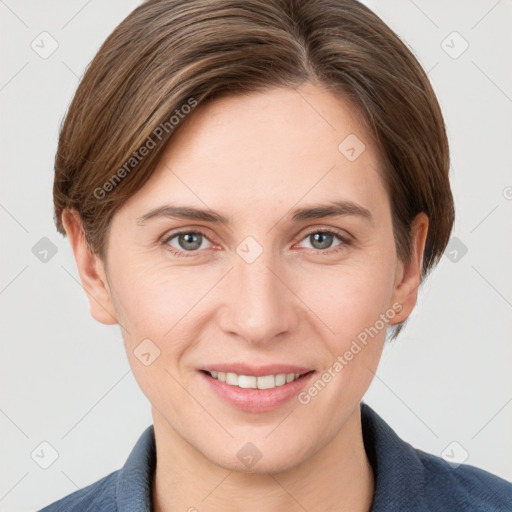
257,400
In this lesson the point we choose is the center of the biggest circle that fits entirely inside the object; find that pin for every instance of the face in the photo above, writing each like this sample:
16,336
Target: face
290,270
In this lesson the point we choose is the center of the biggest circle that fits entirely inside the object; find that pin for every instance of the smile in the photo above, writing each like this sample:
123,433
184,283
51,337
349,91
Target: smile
253,382
256,389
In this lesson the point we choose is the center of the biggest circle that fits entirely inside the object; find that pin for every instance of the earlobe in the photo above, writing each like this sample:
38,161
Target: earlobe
91,270
409,276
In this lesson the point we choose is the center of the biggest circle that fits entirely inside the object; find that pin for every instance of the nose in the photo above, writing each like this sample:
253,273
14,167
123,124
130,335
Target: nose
260,304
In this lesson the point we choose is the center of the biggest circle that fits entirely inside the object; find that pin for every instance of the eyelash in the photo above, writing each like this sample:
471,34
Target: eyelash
345,241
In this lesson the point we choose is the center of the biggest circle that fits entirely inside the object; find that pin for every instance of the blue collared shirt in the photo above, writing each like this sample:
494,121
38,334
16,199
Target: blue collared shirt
406,479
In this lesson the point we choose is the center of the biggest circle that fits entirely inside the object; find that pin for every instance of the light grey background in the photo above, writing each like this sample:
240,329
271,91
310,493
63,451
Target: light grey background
65,379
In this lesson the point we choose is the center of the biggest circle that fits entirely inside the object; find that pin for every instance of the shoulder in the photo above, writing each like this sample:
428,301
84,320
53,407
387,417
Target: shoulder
463,487
96,497
407,478
128,488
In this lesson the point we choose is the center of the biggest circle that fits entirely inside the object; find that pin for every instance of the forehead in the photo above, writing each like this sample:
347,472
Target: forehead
276,147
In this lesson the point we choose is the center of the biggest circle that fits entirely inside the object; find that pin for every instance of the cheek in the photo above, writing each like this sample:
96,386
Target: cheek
155,307
162,305
351,306
151,300
348,299
352,301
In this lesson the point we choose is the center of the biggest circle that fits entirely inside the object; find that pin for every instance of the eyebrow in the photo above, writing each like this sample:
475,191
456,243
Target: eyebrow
318,211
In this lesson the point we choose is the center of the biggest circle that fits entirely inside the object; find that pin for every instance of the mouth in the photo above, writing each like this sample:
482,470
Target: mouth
270,381
256,389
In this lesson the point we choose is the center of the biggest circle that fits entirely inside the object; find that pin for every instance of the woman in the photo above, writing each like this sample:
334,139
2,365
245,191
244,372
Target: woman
254,192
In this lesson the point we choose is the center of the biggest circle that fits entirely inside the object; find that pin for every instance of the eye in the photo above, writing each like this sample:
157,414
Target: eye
186,241
321,240
192,242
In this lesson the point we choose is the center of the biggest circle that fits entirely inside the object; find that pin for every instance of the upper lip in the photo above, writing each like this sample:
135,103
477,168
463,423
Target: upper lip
256,371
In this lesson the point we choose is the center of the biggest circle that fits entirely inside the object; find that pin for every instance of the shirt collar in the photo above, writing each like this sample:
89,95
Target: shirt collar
135,480
397,469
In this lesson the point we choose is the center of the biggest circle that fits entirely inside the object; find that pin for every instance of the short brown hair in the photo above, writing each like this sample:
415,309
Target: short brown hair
171,53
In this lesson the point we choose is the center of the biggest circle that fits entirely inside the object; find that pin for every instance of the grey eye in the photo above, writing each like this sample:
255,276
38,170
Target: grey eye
321,240
190,241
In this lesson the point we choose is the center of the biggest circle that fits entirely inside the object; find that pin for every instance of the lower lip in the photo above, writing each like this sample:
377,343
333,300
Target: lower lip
257,400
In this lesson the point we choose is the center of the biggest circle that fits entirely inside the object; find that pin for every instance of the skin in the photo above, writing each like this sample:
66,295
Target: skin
253,158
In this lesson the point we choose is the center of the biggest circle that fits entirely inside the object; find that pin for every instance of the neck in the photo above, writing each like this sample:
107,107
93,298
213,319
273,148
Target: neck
338,477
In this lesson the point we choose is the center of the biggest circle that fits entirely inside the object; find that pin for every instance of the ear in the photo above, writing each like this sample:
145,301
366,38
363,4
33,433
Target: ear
91,270
408,276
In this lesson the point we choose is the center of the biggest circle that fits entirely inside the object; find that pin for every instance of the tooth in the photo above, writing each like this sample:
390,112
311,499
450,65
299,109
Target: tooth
252,382
280,379
232,378
245,381
266,382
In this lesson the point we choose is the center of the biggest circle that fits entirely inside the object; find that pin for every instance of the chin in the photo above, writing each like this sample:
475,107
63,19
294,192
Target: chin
252,460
